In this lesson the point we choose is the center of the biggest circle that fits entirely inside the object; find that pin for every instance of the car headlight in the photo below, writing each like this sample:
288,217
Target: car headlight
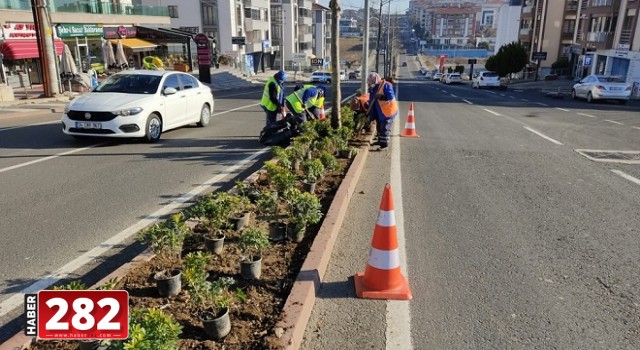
128,111
67,109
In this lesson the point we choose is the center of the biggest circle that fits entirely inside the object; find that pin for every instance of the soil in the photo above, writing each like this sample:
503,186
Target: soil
253,320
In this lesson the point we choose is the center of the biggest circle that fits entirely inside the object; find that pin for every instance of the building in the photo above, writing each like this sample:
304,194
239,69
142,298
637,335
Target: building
292,28
453,25
349,28
322,33
508,23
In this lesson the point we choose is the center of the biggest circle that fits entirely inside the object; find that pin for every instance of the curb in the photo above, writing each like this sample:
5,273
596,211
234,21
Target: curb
299,305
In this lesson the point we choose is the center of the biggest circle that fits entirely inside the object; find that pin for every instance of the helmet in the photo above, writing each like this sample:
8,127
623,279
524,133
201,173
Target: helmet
280,76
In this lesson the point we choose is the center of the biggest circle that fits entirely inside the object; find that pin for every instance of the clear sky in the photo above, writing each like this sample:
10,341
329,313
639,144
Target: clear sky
396,5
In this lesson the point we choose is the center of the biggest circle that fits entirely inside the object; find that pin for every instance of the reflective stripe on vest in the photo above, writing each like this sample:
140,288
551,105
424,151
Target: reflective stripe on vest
389,109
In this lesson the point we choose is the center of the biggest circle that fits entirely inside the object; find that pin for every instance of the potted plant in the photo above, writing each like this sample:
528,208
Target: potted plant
329,161
166,239
247,190
313,171
296,153
241,212
280,177
211,298
253,240
213,213
149,329
282,157
304,209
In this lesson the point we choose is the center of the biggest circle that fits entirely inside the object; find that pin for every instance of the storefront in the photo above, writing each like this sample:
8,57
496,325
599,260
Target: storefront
175,47
135,47
20,54
84,40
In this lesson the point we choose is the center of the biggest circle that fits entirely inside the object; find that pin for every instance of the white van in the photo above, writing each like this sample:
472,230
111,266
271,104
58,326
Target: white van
320,77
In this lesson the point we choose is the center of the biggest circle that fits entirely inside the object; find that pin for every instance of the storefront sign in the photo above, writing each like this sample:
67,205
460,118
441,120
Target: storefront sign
120,32
203,50
192,30
19,31
238,40
79,30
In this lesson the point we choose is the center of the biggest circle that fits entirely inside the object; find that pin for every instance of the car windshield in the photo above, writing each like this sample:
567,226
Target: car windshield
130,84
611,79
490,74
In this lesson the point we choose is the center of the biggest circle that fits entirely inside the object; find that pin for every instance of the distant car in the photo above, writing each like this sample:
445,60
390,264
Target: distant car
423,70
404,64
428,75
437,76
139,103
444,76
342,75
602,87
320,77
453,78
485,79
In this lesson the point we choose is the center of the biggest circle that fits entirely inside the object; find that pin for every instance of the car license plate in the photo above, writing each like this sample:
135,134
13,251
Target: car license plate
615,88
88,125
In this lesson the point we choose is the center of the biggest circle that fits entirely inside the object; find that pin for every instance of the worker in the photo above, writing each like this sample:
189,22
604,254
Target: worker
273,98
299,102
381,107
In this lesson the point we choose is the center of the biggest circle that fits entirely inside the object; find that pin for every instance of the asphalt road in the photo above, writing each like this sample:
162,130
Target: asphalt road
513,239
71,208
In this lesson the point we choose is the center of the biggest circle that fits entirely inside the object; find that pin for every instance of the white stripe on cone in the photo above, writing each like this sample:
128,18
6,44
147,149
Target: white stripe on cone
386,218
384,259
410,125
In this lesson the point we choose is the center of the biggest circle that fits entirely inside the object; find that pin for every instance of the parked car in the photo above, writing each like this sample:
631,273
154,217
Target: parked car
321,77
453,78
437,76
428,75
485,79
602,87
444,76
343,75
423,70
139,103
354,75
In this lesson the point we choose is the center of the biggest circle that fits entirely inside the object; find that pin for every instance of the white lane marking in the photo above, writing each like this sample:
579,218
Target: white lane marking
49,157
587,115
637,127
627,176
491,92
613,121
503,95
16,299
563,109
398,331
542,104
468,102
512,97
543,136
452,95
28,125
524,99
492,112
92,146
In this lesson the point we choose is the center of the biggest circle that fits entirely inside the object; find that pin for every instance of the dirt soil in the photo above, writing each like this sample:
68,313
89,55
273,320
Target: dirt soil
253,321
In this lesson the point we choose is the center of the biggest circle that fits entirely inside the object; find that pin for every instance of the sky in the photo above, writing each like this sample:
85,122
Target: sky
396,5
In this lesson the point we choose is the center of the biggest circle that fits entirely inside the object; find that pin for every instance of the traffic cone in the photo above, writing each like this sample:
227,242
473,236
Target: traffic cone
322,116
382,278
410,125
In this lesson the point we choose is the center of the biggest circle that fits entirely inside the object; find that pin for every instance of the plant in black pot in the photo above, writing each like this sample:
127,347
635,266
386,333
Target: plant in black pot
313,171
304,209
241,212
213,215
296,153
329,161
166,240
149,329
247,190
253,240
281,156
281,177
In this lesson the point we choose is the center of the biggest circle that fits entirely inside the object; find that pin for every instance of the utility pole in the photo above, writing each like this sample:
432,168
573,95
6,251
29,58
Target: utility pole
336,96
46,49
379,35
365,48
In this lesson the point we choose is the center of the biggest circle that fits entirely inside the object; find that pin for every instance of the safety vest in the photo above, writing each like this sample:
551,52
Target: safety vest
388,109
295,99
266,100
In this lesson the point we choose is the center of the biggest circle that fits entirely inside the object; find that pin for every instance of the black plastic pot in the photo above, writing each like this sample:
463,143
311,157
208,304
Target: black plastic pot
216,326
168,284
277,231
214,244
251,269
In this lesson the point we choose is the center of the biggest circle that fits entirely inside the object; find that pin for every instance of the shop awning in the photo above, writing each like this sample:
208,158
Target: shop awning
135,44
20,49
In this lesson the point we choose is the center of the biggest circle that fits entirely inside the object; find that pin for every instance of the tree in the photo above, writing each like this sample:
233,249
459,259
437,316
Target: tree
335,65
511,58
483,45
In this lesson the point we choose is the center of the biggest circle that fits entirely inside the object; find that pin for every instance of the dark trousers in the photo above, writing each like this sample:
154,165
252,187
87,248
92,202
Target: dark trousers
383,128
271,118
300,117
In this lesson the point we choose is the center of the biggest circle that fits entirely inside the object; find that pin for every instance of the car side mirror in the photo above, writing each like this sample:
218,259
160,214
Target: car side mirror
169,91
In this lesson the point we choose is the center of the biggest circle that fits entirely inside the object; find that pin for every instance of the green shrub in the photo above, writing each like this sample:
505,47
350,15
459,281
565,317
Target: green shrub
149,329
313,170
329,161
253,240
166,238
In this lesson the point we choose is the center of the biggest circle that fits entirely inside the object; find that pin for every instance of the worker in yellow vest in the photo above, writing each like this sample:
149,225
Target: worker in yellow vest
273,97
318,106
299,102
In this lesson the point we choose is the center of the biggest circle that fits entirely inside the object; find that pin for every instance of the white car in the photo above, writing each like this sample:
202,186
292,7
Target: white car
343,75
601,87
453,78
437,76
485,79
139,103
320,77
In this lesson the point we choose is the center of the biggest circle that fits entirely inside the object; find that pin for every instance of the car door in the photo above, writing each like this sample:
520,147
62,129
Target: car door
194,97
584,86
175,105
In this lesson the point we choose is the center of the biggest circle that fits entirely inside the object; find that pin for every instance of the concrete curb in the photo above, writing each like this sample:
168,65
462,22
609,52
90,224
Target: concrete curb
299,305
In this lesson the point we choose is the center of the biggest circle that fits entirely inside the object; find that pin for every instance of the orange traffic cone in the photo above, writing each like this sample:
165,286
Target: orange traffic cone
322,116
410,125
382,278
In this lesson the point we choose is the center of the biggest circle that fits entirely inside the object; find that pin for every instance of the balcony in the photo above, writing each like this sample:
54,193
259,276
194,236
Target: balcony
254,24
527,10
597,37
596,3
572,6
625,37
525,31
95,7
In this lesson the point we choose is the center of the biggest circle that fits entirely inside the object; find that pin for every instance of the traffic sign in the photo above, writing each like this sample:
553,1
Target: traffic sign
317,61
472,61
539,56
238,40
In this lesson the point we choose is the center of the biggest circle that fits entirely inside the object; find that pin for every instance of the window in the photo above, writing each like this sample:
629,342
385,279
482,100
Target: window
188,81
173,11
208,15
171,81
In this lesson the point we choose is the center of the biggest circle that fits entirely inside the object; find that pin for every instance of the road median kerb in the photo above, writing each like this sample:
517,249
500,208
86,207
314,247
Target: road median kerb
299,305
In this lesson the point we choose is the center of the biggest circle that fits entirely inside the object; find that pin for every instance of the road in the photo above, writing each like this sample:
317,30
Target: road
513,239
71,208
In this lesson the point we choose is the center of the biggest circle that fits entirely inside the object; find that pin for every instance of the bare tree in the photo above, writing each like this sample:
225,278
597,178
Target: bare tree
335,65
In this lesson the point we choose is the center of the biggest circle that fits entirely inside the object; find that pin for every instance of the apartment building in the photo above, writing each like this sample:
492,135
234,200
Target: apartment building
321,32
508,23
292,28
453,25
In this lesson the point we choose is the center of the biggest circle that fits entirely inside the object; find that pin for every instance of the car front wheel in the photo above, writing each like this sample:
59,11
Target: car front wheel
153,128
573,94
205,116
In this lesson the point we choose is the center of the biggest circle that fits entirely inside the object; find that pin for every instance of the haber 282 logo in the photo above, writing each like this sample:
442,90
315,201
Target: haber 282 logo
77,314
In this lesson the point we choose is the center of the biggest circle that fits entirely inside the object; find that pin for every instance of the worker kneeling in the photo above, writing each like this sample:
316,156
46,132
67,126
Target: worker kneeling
302,101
